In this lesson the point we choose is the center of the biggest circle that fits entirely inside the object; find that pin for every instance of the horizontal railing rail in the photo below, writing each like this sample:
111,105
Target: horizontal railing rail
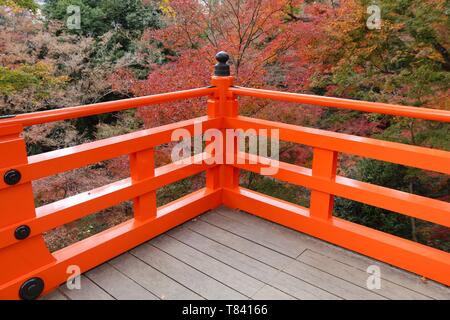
424,208
366,106
30,119
53,162
399,153
29,269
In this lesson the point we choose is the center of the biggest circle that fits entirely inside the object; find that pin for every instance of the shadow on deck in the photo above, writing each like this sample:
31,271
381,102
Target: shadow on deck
226,254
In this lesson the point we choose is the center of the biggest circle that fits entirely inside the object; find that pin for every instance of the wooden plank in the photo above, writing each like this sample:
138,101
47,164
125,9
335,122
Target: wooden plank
223,273
195,280
300,289
270,293
151,279
117,284
279,280
392,274
89,291
247,247
358,277
401,277
54,295
330,283
406,254
281,242
229,256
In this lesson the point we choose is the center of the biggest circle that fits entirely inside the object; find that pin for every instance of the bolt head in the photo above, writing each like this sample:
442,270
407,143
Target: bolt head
222,57
12,177
31,289
22,232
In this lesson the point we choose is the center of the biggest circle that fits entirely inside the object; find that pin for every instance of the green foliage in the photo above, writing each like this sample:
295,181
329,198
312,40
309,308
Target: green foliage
399,178
99,17
117,25
22,4
277,189
38,77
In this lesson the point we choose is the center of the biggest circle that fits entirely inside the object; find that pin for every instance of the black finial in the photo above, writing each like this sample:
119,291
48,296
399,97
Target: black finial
222,69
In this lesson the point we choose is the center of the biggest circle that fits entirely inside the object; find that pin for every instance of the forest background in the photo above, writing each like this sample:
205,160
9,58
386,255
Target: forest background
60,53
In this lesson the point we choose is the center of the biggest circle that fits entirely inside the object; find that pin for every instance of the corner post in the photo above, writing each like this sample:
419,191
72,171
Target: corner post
223,104
29,253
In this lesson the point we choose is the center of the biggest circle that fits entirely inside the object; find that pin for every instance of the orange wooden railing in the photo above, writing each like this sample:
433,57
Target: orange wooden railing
28,269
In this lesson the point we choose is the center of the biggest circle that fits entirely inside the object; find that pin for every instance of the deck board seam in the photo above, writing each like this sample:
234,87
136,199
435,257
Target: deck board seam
63,293
238,235
384,279
101,288
234,249
114,267
285,266
241,271
209,276
329,244
278,271
168,276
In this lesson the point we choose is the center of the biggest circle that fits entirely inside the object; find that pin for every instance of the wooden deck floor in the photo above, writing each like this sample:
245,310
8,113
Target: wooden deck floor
226,254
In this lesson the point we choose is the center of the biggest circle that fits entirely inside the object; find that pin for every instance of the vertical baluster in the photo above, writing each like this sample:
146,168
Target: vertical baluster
142,166
324,166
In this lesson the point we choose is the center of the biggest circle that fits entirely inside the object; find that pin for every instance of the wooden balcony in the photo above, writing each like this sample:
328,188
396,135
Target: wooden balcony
228,254
223,254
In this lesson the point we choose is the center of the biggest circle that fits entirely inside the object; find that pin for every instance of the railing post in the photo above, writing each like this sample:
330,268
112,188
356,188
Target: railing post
223,104
142,166
324,166
16,206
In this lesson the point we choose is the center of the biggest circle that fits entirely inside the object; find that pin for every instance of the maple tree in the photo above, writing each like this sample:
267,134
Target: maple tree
319,47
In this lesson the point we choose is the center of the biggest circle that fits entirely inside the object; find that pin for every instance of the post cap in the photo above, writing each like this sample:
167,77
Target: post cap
222,69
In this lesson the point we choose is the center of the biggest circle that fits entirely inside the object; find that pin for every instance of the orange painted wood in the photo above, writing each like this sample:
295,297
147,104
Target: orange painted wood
34,118
16,205
418,157
142,166
425,261
398,201
384,108
23,259
324,167
213,111
53,162
78,206
108,244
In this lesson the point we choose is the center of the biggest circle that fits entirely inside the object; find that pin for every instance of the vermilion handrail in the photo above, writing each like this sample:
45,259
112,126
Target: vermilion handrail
28,269
30,119
376,107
